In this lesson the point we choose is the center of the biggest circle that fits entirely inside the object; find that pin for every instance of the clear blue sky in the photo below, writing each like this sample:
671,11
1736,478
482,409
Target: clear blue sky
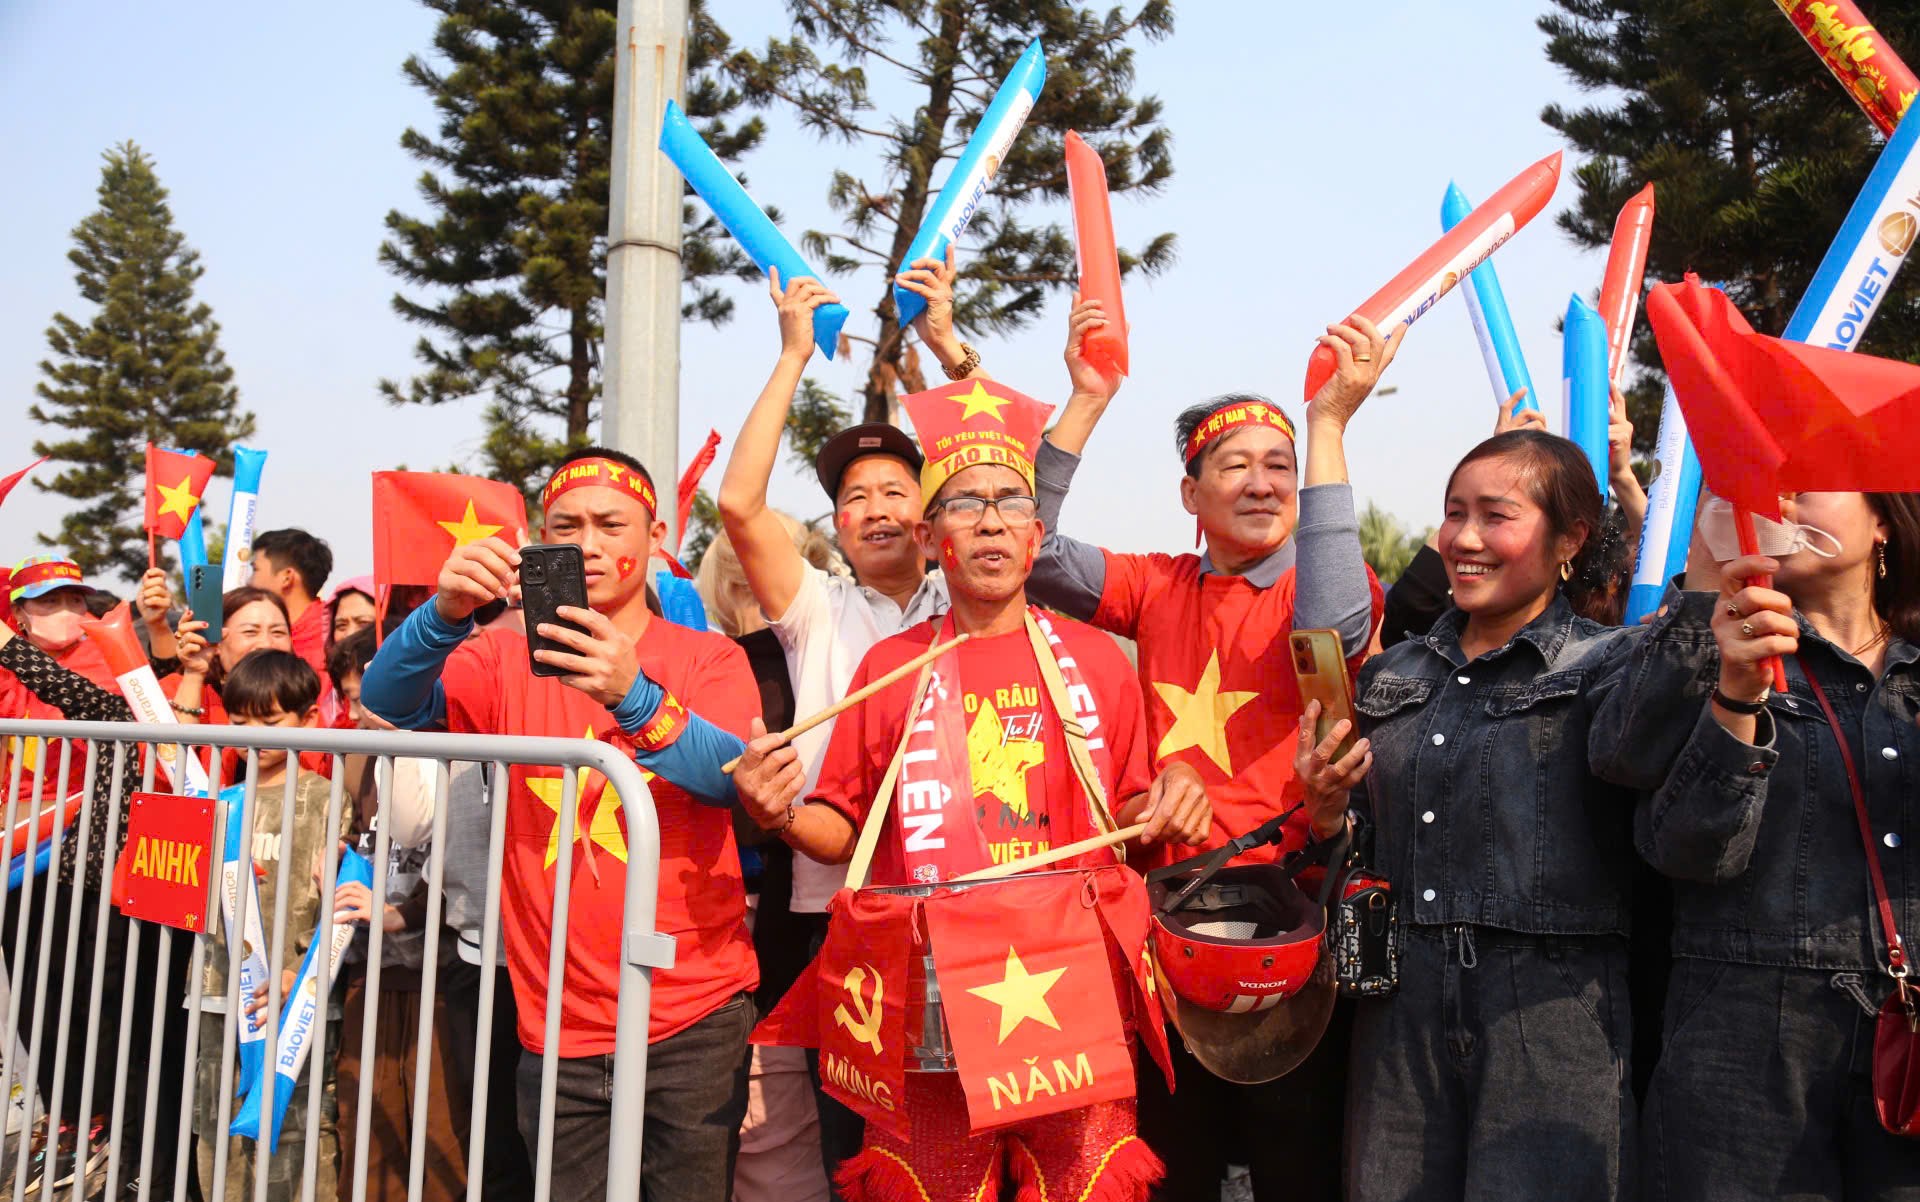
1310,160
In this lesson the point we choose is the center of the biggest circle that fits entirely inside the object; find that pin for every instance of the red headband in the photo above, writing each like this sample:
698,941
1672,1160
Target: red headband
40,573
1223,422
605,472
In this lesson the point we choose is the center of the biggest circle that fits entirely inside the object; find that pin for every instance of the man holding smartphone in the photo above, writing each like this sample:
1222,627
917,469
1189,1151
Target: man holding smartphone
1281,553
678,700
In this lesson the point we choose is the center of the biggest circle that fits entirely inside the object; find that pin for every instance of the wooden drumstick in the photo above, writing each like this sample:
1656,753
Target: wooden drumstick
1011,867
852,699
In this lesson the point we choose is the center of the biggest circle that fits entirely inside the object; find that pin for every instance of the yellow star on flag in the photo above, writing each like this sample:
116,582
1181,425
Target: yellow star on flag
981,401
1000,764
603,829
1200,717
1021,995
179,499
469,529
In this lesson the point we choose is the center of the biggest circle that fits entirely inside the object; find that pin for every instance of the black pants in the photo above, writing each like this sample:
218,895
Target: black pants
1498,1071
507,1174
116,1012
1287,1132
1763,1090
696,1098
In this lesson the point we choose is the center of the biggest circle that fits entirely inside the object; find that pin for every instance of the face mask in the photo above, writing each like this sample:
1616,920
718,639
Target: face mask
1777,539
55,632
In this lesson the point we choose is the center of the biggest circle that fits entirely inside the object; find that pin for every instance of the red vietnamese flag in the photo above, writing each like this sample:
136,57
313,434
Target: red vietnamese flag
1128,919
689,486
175,482
419,518
1030,997
1769,416
861,982
6,574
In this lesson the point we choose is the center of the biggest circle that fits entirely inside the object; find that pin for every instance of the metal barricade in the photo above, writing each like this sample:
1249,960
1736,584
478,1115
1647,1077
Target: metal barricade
124,752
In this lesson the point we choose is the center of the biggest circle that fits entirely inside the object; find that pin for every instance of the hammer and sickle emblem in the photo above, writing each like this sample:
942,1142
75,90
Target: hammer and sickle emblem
867,1029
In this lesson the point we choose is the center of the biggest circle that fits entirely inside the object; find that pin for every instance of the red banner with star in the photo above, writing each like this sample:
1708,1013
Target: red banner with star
164,871
420,518
1031,1000
175,482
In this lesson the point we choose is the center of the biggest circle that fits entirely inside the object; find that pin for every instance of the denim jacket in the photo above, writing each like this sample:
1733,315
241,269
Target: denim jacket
1484,807
1762,840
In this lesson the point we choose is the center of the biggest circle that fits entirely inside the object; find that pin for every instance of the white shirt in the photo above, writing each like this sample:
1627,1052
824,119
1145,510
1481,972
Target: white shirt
826,632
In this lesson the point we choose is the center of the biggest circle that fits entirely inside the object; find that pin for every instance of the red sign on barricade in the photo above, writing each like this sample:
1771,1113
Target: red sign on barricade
163,871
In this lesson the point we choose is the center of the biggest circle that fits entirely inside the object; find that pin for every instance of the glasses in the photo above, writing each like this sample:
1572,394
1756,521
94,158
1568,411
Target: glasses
1014,511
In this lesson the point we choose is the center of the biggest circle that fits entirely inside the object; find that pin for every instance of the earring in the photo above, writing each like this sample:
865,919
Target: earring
1880,555
1566,570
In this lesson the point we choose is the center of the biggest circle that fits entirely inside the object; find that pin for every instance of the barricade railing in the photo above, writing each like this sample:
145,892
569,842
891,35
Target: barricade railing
123,752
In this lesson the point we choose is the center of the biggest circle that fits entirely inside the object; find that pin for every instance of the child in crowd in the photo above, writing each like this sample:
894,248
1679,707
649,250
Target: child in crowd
275,688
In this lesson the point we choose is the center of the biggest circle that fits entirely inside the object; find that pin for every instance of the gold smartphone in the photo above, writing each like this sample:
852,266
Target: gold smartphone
1321,668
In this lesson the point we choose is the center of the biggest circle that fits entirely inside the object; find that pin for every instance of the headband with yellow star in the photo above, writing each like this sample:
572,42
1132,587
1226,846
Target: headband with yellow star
973,422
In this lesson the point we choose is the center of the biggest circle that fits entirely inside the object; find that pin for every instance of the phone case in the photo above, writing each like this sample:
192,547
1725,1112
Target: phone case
205,598
551,575
1321,668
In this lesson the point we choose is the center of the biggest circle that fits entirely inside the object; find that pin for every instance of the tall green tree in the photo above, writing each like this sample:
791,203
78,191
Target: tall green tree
509,267
1755,153
146,368
945,58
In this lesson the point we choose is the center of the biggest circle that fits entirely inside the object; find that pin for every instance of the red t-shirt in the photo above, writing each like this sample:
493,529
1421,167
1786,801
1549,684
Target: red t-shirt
702,900
1222,696
309,635
1026,796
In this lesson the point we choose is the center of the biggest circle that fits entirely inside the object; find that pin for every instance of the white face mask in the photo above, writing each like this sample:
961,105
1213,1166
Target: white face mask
1777,539
55,632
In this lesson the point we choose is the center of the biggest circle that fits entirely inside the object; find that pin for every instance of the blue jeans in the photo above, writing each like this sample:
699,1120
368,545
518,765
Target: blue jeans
696,1098
1499,1070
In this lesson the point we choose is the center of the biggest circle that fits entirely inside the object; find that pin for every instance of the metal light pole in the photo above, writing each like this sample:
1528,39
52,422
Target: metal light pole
640,405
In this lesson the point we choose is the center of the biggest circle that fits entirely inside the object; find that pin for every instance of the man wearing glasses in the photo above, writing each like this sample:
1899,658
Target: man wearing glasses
986,772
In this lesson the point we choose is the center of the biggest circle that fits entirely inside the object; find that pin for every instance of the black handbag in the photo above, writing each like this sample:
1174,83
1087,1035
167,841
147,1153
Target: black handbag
1365,932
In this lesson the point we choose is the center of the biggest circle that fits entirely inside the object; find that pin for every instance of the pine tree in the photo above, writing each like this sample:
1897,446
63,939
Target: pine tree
1755,152
147,368
513,257
948,56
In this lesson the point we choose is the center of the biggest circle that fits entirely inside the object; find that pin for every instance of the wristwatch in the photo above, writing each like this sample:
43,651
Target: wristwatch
1732,706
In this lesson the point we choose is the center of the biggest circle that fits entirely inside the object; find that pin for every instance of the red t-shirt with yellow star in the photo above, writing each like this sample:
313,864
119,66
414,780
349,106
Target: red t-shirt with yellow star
1026,796
702,902
1221,694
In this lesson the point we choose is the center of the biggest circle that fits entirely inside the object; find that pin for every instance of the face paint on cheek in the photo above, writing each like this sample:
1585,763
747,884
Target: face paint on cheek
947,555
1030,553
627,565
843,519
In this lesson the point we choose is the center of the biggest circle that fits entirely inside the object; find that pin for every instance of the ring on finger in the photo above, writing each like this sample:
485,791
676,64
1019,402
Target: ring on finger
1733,611
1746,630
1363,357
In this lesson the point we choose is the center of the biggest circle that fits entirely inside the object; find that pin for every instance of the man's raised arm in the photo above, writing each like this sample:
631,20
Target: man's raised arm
773,567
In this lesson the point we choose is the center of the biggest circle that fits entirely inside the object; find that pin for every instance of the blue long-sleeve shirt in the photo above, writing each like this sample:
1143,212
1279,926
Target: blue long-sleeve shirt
402,685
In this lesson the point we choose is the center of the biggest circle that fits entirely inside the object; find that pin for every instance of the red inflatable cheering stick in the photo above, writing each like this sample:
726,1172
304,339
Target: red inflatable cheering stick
1620,287
1105,347
1447,262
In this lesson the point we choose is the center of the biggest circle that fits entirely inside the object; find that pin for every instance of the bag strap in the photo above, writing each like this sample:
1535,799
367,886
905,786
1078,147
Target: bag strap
883,800
1896,951
1077,750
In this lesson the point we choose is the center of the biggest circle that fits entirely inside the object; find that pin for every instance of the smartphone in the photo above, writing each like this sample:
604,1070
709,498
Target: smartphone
551,575
1321,668
205,598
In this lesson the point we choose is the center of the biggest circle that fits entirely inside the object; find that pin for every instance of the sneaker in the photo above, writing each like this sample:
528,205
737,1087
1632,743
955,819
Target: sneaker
63,1159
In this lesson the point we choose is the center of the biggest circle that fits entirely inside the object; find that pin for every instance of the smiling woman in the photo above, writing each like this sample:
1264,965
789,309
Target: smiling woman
1511,856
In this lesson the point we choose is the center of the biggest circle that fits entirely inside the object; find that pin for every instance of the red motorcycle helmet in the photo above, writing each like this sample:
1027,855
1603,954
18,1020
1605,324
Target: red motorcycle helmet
1243,969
